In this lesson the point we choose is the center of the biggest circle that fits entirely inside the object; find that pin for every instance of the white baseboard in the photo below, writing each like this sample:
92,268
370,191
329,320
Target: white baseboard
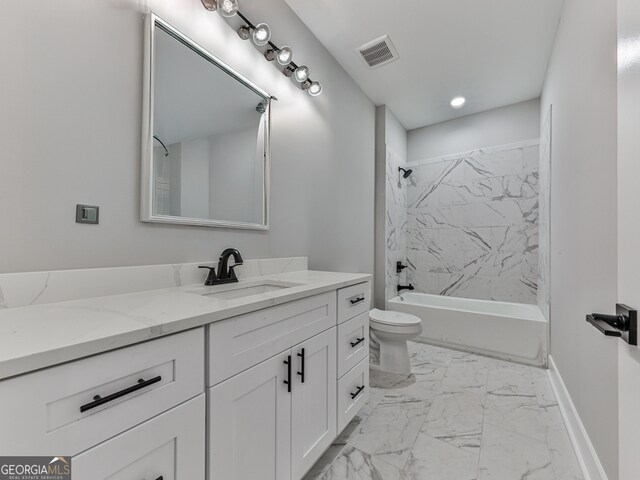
587,456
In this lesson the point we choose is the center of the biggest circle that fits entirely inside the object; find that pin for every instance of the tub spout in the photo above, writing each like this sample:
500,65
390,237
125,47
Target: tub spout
406,287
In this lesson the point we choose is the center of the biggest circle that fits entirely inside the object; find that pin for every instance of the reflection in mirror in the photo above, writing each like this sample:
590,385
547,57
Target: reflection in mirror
210,139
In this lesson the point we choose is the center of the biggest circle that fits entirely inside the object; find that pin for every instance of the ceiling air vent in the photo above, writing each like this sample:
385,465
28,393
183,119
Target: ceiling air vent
378,52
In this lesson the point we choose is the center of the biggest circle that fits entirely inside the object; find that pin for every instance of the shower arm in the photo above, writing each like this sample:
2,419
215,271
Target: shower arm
166,150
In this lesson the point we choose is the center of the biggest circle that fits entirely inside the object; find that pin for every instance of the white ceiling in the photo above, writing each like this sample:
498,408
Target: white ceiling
494,52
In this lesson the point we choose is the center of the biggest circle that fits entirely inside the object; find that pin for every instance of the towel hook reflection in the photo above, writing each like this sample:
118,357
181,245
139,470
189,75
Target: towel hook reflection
166,151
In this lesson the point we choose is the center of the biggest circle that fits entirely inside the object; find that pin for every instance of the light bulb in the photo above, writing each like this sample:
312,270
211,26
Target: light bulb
261,34
301,73
315,89
228,8
458,102
285,55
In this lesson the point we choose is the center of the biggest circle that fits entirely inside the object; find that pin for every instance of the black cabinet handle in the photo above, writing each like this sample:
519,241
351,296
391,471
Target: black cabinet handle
357,392
355,301
287,382
160,478
98,400
357,342
301,372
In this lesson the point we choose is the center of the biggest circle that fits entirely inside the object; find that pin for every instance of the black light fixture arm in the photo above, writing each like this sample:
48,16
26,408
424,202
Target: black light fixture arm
271,44
299,72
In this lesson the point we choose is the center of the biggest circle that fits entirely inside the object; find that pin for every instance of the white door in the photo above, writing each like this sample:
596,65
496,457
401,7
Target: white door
250,424
313,408
629,230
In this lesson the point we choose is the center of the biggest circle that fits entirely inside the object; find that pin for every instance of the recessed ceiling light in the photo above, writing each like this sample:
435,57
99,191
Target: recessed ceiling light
458,102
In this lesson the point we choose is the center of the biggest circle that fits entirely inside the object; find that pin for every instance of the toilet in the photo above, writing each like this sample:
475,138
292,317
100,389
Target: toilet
389,332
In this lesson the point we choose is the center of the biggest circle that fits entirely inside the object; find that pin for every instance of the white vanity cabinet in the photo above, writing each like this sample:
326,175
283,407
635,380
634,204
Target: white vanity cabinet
168,447
250,424
267,423
271,416
257,396
69,408
313,401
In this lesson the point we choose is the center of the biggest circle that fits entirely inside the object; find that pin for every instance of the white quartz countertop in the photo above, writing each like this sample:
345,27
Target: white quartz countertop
41,336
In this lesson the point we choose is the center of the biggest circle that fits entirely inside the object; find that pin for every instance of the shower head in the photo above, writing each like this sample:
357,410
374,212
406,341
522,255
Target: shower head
405,173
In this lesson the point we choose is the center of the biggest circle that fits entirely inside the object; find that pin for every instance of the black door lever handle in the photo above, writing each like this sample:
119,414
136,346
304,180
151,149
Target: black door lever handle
624,324
603,326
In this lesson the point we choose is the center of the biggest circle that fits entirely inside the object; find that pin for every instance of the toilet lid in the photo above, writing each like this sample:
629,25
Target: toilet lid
387,317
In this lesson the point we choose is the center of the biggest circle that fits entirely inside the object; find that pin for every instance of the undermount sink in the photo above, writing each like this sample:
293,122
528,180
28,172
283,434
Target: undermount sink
241,290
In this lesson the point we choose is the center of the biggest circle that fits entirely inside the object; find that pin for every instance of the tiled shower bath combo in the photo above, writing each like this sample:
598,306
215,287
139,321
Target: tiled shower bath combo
472,224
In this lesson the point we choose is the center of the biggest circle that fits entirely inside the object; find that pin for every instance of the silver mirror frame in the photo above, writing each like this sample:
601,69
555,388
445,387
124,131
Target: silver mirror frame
146,203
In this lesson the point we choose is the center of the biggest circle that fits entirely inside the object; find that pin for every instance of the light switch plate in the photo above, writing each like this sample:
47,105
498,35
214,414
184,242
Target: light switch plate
87,214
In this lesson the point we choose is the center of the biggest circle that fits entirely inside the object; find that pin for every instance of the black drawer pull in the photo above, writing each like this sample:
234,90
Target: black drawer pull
355,301
357,342
98,400
160,478
358,392
287,382
301,372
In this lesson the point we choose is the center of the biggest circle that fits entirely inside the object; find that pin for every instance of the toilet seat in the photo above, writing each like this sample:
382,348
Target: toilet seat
394,322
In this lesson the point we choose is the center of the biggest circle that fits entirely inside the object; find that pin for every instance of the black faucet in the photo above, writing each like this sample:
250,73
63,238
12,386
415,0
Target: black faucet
225,274
406,287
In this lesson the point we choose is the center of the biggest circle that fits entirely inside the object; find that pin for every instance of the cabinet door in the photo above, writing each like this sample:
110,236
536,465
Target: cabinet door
169,447
313,409
250,424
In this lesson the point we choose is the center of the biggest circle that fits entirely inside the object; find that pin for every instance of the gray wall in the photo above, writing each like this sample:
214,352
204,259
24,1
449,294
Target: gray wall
487,129
581,86
390,136
70,133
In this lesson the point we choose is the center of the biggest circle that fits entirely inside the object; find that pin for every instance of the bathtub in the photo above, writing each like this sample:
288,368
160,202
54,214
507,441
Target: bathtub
510,331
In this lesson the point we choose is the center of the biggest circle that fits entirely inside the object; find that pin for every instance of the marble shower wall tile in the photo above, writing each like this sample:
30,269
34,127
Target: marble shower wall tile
472,224
36,288
396,223
545,215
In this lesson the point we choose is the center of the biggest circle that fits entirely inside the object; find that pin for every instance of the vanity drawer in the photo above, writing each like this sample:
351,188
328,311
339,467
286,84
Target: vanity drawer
56,409
170,446
241,342
353,342
353,392
353,301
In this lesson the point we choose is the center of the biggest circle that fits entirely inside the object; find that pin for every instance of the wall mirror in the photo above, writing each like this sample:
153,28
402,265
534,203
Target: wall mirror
205,155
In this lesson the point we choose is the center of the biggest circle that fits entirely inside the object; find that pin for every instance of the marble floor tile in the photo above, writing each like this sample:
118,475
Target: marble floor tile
420,386
457,419
464,377
457,416
353,464
518,413
506,455
390,431
433,459
563,457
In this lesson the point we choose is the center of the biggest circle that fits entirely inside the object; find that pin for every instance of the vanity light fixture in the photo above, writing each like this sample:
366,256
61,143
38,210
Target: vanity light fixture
261,36
313,88
210,5
301,74
285,55
244,32
227,8
458,102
